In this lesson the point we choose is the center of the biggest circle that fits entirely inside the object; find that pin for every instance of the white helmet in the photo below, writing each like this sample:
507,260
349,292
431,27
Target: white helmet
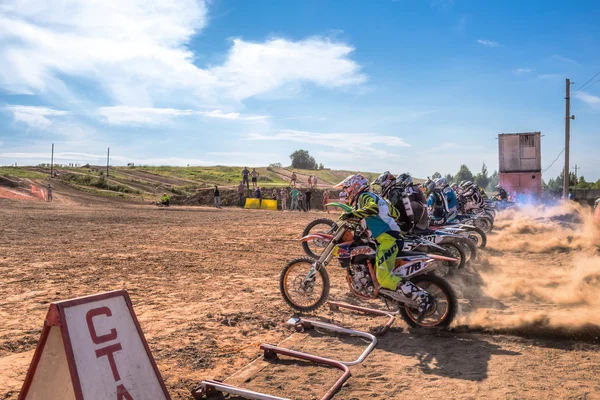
353,186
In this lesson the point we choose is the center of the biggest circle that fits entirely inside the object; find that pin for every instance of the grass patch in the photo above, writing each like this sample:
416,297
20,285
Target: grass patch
23,172
97,182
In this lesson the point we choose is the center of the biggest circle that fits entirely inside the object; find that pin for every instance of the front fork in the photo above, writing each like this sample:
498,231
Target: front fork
326,255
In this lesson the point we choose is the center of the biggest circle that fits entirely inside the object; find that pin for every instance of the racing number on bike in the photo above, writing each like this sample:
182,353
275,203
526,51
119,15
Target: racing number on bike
411,269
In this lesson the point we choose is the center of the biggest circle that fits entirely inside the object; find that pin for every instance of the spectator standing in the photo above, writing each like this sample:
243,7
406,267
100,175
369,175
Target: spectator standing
242,192
301,206
308,198
571,196
294,197
258,195
217,197
315,181
293,179
254,175
326,200
283,194
245,174
274,194
49,192
310,181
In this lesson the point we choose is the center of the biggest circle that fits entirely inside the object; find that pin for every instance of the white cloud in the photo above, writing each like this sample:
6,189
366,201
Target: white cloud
488,43
564,59
232,115
128,115
588,98
256,68
61,156
519,71
351,143
135,52
33,116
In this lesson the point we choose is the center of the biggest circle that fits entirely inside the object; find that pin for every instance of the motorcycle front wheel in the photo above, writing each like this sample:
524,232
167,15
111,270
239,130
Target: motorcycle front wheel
444,310
315,247
303,288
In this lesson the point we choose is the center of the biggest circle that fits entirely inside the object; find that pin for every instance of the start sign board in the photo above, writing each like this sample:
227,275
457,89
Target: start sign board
93,348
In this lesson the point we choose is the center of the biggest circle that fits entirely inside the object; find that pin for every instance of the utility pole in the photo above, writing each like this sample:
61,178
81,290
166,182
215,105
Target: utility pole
568,119
107,161
52,162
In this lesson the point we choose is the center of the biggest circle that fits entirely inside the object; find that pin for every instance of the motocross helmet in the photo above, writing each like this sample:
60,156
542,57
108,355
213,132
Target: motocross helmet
429,185
442,182
353,186
498,187
454,187
467,184
404,179
385,180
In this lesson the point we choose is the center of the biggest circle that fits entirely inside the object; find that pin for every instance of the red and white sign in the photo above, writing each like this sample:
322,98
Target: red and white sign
93,348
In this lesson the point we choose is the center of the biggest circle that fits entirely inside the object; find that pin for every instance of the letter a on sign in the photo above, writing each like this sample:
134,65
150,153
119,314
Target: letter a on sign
92,348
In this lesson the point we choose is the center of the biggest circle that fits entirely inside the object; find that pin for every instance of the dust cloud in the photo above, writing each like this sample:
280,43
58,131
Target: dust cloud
540,275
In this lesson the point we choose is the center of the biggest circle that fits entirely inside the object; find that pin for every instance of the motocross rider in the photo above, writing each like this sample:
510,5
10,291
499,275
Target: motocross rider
417,200
451,200
379,216
436,200
502,195
396,195
471,193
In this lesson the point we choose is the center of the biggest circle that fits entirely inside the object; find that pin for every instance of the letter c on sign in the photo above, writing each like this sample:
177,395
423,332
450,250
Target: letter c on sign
90,323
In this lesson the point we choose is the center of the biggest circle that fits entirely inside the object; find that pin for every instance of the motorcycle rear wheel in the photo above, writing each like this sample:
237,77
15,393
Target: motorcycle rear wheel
477,236
469,247
447,268
324,225
294,286
446,301
484,223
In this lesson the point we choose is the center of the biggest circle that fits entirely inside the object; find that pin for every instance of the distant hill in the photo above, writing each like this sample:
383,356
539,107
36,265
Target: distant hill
149,181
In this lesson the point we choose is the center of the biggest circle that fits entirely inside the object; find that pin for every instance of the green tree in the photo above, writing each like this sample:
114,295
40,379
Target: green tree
303,160
493,181
583,184
482,179
436,175
464,174
449,178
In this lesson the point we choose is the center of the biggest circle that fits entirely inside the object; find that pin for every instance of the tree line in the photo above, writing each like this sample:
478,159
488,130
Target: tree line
482,178
556,185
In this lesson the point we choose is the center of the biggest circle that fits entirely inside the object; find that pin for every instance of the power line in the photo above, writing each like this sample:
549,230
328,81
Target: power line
554,160
583,86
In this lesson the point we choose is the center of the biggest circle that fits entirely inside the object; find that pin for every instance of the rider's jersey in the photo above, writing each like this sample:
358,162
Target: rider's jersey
502,194
450,197
379,215
397,197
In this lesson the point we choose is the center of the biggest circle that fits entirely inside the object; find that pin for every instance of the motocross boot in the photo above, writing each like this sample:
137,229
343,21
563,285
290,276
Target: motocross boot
423,299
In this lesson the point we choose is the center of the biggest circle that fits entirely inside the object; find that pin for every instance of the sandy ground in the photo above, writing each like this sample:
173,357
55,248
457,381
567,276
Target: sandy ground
204,285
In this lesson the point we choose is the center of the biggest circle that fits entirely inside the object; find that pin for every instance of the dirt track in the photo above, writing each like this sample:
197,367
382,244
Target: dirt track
204,284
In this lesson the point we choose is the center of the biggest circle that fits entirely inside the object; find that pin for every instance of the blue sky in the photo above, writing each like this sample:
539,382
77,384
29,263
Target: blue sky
405,85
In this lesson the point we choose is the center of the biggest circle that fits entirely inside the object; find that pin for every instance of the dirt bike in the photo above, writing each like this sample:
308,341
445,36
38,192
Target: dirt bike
304,282
441,237
314,240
